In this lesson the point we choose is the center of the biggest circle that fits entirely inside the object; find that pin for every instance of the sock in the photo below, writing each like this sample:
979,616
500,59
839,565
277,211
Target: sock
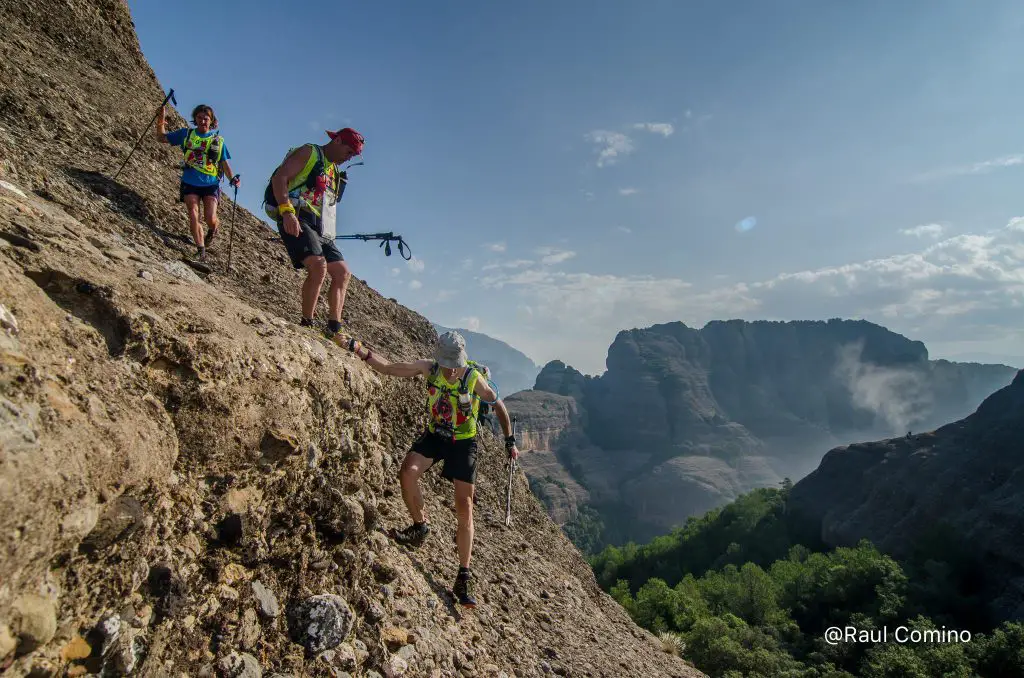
306,322
334,325
463,570
419,524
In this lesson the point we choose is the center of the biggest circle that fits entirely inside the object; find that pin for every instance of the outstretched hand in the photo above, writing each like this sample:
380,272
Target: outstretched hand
236,180
513,452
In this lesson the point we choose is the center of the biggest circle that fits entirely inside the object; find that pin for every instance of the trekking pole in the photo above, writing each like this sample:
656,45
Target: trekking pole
234,205
170,96
511,472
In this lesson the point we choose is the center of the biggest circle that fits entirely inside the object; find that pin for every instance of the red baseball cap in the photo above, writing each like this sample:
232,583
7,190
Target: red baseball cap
350,138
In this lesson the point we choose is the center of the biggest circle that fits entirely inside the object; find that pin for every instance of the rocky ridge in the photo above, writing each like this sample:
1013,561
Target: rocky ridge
961,486
685,420
192,485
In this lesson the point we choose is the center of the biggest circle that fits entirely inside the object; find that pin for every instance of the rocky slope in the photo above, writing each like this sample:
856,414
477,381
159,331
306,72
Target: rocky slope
192,485
684,420
511,369
964,479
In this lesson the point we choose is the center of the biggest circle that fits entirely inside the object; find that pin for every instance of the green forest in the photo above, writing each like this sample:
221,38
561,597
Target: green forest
742,593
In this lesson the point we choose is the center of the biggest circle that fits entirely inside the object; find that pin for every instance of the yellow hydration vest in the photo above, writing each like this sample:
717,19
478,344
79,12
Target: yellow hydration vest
203,153
306,190
452,407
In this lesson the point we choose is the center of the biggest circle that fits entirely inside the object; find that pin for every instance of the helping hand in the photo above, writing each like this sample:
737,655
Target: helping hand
236,181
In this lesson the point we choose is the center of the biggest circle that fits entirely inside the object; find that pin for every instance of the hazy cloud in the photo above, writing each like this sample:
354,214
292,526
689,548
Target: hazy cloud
665,129
610,146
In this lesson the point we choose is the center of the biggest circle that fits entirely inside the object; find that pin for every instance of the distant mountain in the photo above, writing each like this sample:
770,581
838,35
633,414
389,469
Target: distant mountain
511,369
686,419
958,489
1016,361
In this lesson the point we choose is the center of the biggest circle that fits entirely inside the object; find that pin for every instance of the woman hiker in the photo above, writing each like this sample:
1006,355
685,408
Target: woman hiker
205,160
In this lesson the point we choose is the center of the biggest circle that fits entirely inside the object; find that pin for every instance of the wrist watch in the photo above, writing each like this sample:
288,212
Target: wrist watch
510,441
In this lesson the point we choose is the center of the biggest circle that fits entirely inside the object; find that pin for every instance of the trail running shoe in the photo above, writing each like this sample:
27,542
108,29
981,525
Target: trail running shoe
413,535
463,589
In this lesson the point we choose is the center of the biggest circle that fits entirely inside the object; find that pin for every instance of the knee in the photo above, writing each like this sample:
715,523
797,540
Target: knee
211,218
408,474
316,267
339,271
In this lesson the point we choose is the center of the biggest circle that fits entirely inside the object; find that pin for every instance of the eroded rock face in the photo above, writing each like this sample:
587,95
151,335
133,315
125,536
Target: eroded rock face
170,438
962,483
684,420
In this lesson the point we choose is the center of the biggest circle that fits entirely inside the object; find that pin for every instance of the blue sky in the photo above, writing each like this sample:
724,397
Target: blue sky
566,170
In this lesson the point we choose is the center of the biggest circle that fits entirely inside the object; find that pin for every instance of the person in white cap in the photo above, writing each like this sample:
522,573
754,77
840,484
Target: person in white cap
455,390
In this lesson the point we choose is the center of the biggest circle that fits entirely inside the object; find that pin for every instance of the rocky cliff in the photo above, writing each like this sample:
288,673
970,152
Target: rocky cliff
963,482
684,419
192,485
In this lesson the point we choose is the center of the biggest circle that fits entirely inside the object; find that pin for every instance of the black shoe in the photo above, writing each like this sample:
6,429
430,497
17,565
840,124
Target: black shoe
413,535
307,322
463,589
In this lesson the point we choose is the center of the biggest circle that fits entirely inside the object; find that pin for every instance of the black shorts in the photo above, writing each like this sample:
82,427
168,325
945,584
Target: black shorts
308,243
202,191
458,457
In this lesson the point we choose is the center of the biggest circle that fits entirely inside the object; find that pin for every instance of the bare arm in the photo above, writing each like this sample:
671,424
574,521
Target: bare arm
225,168
394,369
506,427
291,167
161,125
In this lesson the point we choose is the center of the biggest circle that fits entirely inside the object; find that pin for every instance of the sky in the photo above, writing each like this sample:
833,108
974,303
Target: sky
564,171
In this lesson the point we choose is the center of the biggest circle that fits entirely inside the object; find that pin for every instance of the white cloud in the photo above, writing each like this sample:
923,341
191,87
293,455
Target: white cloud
496,246
960,289
514,263
552,255
624,229
416,265
589,195
628,191
981,167
471,323
395,272
923,231
415,284
611,146
665,129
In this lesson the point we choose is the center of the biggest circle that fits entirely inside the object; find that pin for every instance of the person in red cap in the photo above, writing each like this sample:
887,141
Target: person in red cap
294,199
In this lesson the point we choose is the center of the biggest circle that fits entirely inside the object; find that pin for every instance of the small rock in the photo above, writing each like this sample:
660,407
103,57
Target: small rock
181,271
249,631
146,275
312,456
345,657
76,649
237,665
277,445
8,321
38,622
398,665
394,637
8,642
119,520
265,600
321,622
